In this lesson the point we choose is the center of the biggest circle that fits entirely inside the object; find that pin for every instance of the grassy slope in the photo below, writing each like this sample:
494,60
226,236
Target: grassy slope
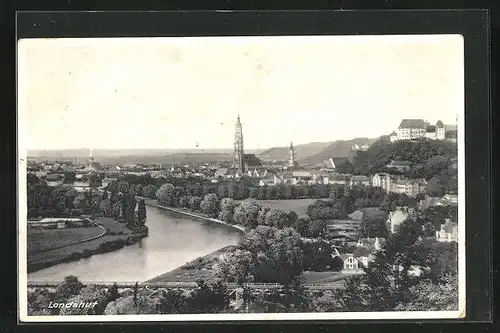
45,239
112,227
198,269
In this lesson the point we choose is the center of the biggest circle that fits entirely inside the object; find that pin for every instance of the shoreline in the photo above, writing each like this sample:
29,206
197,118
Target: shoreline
153,203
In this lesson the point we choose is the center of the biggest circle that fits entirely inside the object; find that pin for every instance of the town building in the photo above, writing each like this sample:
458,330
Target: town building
359,180
448,232
446,200
417,129
399,184
400,166
238,154
362,255
380,180
291,156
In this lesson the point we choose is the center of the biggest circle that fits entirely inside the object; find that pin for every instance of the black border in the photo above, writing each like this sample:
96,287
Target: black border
472,24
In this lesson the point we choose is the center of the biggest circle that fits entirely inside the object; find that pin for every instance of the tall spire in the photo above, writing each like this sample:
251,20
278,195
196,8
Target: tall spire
238,155
291,155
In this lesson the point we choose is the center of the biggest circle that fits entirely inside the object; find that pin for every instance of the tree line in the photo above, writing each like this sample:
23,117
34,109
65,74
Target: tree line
64,201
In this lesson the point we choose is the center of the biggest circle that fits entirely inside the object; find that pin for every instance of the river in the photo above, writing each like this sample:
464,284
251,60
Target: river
173,240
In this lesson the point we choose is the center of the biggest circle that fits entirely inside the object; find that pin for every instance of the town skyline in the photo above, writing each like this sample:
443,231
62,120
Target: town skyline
99,93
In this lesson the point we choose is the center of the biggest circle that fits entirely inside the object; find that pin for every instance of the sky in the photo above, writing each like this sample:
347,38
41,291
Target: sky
169,93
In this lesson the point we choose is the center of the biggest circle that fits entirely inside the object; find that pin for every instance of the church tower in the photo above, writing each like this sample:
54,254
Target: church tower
91,158
238,154
291,156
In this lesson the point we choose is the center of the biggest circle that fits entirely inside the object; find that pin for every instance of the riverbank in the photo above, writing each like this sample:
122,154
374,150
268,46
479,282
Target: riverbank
116,236
198,216
198,269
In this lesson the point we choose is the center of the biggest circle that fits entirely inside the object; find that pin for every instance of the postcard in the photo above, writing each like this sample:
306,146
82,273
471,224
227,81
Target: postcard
241,178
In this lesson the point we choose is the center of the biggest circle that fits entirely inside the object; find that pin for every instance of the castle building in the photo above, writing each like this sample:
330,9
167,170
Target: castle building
416,129
291,156
238,154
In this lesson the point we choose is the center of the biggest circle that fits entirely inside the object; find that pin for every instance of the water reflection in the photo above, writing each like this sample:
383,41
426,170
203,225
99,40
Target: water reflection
173,240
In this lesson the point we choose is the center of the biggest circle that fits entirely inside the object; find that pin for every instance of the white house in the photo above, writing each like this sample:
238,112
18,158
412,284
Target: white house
380,180
448,232
411,129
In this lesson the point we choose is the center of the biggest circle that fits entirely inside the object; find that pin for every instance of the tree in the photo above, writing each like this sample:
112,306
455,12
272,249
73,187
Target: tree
184,201
242,192
113,293
194,203
373,225
430,296
236,266
245,214
166,195
227,207
122,186
94,295
38,300
317,255
436,186
149,191
253,192
222,190
302,227
67,289
277,218
129,212
116,210
287,191
209,205
352,297
142,304
211,298
278,254
141,213
317,228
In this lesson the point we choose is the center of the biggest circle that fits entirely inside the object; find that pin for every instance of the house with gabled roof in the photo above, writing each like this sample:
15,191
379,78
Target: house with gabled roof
359,180
448,232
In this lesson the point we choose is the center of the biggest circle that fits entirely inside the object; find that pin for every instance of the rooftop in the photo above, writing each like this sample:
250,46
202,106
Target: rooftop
412,123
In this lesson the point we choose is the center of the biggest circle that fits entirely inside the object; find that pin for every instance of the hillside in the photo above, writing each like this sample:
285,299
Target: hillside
341,148
427,158
304,150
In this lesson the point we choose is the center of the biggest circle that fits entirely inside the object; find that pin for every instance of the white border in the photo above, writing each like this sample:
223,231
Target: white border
22,240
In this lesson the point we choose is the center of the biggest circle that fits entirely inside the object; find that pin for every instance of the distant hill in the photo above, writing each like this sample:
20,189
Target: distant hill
341,148
301,151
144,156
84,152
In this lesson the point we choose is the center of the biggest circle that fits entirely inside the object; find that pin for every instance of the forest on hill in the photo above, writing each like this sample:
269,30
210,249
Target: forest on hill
433,160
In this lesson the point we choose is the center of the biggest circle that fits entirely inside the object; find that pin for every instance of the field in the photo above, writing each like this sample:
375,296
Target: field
45,239
299,206
117,236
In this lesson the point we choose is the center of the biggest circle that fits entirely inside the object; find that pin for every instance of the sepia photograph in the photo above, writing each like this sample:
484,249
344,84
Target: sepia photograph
241,178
